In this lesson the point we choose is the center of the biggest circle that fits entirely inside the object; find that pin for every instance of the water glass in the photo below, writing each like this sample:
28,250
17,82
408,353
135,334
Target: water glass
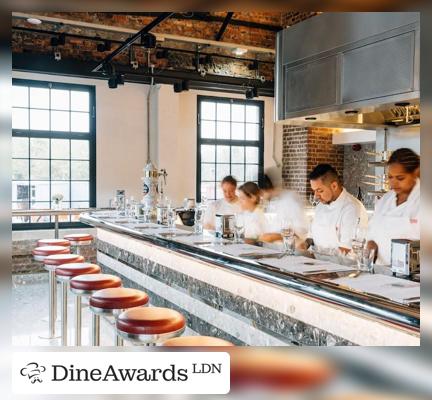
146,213
239,228
288,239
198,219
172,216
365,260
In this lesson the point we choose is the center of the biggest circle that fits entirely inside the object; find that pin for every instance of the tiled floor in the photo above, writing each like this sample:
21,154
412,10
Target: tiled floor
30,312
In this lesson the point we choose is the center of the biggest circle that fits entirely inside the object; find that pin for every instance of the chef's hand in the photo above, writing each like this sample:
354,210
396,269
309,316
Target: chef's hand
372,245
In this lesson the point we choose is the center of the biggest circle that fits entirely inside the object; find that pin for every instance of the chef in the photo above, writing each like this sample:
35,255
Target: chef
229,204
338,213
281,206
397,212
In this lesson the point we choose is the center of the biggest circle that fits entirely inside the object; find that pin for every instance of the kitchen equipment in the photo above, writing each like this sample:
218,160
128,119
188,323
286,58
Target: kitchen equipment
224,225
405,257
187,216
153,184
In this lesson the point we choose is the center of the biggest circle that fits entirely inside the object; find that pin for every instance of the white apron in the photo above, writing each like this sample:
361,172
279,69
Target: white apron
394,222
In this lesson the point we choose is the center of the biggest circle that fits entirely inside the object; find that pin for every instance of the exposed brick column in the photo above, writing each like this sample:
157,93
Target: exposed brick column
303,149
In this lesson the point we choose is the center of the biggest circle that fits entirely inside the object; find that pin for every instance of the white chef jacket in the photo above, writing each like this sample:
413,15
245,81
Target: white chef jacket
394,222
220,206
287,205
254,223
334,225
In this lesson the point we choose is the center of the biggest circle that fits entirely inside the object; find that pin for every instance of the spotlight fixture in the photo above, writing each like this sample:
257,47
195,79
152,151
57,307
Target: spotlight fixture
108,69
251,93
59,40
34,21
310,118
253,66
402,104
351,112
239,51
105,46
148,41
57,55
115,80
181,86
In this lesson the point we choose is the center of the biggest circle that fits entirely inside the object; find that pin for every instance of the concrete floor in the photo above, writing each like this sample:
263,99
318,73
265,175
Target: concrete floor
30,314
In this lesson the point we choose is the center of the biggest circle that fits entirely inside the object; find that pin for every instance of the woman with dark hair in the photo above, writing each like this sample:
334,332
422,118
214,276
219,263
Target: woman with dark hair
397,212
252,212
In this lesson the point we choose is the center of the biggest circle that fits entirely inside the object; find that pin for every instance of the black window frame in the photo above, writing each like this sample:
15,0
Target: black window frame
229,142
90,136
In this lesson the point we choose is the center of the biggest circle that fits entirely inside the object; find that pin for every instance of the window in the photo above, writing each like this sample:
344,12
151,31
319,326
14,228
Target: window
230,142
53,148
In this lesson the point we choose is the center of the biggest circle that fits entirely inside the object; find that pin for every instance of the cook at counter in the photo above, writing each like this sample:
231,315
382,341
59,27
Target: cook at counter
338,213
397,212
252,211
229,204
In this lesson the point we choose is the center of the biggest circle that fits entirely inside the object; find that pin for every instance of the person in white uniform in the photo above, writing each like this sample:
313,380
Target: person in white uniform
252,213
229,204
338,213
396,214
283,206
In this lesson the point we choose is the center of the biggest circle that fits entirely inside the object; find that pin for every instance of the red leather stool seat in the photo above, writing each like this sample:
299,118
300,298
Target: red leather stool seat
118,298
95,282
50,250
75,269
59,259
53,242
150,321
196,341
77,238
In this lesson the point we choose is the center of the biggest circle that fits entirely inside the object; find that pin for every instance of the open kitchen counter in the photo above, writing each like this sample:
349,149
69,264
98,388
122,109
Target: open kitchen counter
247,294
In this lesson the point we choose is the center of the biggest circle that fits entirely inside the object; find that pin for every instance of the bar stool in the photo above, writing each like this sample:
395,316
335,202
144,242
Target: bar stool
65,273
53,242
149,326
111,302
41,252
79,239
196,341
51,262
86,285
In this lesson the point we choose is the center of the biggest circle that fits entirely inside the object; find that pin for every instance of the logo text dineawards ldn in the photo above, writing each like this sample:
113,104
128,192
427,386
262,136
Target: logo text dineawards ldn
121,373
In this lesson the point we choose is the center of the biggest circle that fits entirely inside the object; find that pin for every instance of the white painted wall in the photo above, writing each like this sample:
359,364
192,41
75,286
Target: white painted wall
177,138
121,129
121,135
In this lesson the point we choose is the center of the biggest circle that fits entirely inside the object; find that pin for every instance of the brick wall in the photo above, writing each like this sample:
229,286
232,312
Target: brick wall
22,260
294,17
303,149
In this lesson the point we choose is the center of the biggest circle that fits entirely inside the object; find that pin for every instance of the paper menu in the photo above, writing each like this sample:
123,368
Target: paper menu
396,289
242,248
305,266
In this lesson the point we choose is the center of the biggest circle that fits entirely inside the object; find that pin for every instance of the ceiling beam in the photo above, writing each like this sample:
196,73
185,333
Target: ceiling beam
159,36
131,40
224,26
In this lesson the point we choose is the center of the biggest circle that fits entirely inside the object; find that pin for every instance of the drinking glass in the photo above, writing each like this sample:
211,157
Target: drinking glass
288,237
239,227
359,241
171,216
365,260
198,219
146,213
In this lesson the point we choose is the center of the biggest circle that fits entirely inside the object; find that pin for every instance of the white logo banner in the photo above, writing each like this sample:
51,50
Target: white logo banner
121,373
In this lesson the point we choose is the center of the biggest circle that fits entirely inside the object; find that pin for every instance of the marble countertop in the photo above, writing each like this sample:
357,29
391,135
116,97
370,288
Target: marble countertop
210,249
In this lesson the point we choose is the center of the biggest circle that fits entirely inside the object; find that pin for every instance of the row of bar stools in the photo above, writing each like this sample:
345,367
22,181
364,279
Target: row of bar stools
51,263
64,274
150,325
111,302
85,286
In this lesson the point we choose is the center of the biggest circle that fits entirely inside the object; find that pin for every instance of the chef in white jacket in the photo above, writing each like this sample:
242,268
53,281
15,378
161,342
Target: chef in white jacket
338,213
396,214
229,204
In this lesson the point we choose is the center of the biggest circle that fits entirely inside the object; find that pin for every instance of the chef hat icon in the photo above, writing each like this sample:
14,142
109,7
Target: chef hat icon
33,370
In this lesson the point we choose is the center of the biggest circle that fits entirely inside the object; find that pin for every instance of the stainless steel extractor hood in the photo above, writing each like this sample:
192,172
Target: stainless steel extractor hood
349,70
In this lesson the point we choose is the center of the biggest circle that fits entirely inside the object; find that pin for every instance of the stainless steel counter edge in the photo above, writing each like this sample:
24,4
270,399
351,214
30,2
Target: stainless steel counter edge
370,305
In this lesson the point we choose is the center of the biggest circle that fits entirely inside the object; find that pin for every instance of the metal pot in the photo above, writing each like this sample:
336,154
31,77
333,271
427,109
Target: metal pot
224,225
